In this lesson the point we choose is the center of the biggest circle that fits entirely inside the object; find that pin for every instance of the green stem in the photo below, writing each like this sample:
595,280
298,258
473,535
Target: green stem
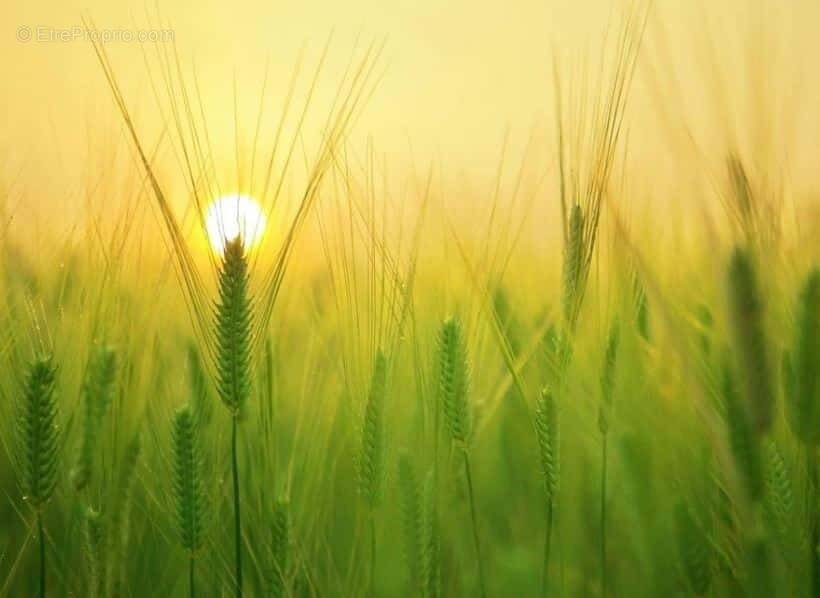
547,538
42,536
814,518
372,554
561,388
475,523
237,521
603,517
191,585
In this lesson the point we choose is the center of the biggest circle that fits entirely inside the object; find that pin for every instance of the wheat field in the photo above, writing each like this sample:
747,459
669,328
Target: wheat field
247,352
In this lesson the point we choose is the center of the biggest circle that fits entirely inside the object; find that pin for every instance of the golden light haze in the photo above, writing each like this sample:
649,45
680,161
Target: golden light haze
458,77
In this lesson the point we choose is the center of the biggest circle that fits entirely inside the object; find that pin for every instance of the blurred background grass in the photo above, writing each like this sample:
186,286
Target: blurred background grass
448,181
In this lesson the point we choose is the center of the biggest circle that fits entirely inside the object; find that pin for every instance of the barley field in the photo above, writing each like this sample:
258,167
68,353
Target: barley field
310,328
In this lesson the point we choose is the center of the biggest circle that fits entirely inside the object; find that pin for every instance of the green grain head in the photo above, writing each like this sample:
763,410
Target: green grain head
749,339
453,380
412,523
742,441
573,264
802,377
98,393
233,322
779,497
124,484
38,437
431,539
557,354
280,548
742,196
608,371
546,431
641,308
694,549
371,454
188,483
95,539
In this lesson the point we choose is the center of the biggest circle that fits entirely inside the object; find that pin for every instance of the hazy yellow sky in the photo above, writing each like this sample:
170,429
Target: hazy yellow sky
458,74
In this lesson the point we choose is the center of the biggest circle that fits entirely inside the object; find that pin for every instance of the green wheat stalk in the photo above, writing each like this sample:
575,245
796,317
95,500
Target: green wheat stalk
98,392
280,548
546,432
640,307
750,420
38,445
742,442
804,374
371,453
572,267
584,181
95,540
779,493
779,504
608,371
412,524
188,487
453,388
454,381
745,447
233,320
694,549
121,512
802,378
749,338
431,540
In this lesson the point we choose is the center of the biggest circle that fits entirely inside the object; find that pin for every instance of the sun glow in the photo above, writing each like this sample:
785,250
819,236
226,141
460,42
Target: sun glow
232,216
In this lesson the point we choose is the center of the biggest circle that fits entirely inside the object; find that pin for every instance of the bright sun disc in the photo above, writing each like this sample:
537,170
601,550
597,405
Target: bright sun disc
232,216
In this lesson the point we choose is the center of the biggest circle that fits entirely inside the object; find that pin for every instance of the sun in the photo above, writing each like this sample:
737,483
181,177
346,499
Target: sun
234,215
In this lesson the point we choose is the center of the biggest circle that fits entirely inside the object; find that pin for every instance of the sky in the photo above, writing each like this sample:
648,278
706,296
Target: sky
457,78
